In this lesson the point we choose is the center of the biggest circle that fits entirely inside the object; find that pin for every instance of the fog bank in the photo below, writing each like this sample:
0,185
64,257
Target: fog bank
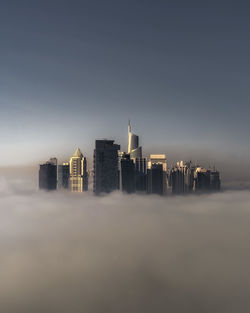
62,252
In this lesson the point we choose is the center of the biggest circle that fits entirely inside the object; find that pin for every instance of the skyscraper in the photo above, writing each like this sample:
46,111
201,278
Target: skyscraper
126,173
141,174
135,152
133,144
48,176
106,177
187,178
160,159
78,172
214,180
201,179
63,176
155,179
182,178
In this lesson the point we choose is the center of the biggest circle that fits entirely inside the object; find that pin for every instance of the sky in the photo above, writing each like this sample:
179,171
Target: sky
74,71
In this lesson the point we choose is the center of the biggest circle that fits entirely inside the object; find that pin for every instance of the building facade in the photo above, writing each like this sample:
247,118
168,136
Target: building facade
134,149
106,177
48,176
160,159
63,176
126,173
155,179
78,180
187,178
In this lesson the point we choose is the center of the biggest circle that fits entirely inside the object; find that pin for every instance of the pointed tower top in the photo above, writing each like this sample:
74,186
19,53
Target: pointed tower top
78,153
129,126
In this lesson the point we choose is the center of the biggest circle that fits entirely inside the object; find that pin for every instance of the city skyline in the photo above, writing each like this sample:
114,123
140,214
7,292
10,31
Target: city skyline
128,171
124,156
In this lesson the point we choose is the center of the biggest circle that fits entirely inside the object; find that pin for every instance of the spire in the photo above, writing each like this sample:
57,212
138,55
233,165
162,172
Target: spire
78,153
129,127
129,136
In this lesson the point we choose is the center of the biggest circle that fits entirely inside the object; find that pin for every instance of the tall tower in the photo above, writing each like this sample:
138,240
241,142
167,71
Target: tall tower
106,177
133,144
63,176
155,183
78,172
48,175
159,159
135,152
126,173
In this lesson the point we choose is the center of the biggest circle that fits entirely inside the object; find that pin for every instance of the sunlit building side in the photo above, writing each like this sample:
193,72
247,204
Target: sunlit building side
135,152
78,181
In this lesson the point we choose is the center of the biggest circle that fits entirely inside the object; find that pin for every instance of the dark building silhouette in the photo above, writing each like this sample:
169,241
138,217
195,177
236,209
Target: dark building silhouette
214,180
141,174
155,179
181,178
63,176
206,180
48,176
177,181
201,180
126,173
106,178
187,178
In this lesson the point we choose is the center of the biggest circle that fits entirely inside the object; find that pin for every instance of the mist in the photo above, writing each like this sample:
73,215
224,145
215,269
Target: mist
63,252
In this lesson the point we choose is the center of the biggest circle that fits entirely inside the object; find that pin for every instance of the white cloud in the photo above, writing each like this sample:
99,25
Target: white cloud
79,253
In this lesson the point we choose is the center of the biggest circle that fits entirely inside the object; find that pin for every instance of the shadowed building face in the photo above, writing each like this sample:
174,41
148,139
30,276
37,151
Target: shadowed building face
106,177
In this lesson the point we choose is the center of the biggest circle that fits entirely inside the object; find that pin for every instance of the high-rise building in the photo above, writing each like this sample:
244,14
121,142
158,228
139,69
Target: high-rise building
155,184
106,178
133,144
63,176
48,176
126,173
181,178
187,178
214,180
140,174
206,180
160,159
201,179
135,152
78,172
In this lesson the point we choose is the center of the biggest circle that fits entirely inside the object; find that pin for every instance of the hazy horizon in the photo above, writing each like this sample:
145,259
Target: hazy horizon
72,72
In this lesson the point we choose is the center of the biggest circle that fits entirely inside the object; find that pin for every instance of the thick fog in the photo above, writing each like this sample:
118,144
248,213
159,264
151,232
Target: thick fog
63,252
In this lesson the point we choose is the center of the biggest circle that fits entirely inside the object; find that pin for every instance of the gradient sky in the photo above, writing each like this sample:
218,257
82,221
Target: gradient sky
74,71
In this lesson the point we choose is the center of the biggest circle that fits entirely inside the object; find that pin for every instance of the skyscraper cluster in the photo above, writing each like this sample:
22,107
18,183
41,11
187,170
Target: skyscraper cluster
128,172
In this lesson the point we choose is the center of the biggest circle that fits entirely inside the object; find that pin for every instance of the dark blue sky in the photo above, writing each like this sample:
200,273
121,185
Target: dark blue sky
74,71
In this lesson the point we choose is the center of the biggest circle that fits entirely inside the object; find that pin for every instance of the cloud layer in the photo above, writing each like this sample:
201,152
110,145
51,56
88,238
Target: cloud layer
78,253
